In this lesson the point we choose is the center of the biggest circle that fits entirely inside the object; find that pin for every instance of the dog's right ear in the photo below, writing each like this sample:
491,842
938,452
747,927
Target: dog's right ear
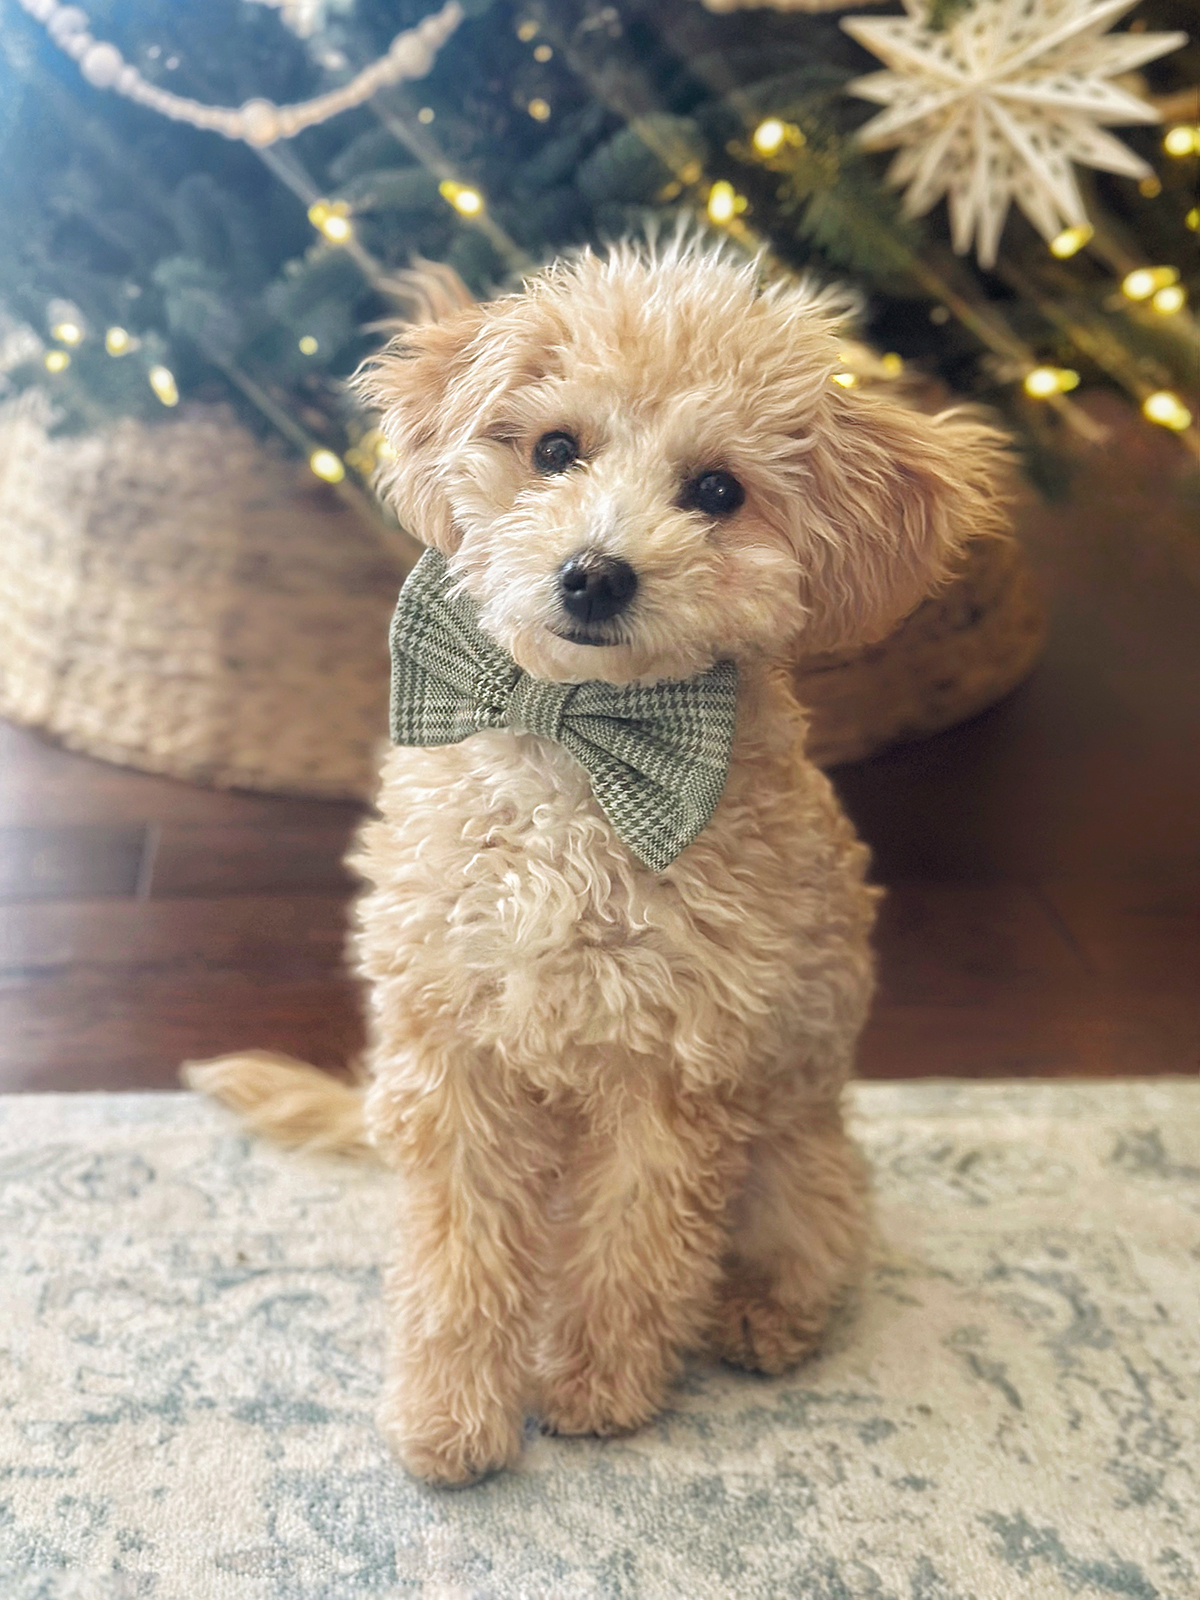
421,386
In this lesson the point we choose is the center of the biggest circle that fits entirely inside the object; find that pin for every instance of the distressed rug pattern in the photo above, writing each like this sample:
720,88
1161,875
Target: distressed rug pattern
190,1347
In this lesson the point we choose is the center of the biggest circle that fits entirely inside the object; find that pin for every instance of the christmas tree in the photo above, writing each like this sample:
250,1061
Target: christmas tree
1035,226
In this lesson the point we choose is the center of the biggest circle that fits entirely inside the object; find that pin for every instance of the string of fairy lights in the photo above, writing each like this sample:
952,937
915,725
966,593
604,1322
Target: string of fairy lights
772,139
1158,287
260,124
1144,287
1153,287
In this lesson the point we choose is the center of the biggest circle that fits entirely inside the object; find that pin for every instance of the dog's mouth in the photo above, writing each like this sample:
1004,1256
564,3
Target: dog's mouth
596,637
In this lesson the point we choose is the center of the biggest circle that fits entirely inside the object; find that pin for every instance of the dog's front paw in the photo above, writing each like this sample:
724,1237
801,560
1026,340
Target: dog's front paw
448,1449
595,1402
757,1331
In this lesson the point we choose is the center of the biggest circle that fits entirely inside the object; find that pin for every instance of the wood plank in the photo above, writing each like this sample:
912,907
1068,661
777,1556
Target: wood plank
71,863
1093,1031
40,783
296,934
1072,978
958,943
1006,796
1143,931
202,860
128,1029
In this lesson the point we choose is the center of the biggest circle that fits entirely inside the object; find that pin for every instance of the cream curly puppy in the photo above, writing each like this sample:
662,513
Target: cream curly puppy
611,1093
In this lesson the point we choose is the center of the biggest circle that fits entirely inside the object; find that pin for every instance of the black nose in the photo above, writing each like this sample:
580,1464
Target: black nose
595,587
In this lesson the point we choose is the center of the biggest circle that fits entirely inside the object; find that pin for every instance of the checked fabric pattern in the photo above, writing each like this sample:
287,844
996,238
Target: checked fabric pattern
657,757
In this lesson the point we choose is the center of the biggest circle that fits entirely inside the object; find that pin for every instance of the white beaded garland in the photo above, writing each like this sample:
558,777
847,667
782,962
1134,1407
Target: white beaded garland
259,122
65,21
102,65
411,54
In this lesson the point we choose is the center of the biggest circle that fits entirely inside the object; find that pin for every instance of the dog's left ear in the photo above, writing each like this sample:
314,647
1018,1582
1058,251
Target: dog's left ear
894,495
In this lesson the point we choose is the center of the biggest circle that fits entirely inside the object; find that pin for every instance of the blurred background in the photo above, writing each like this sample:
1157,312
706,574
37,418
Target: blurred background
209,208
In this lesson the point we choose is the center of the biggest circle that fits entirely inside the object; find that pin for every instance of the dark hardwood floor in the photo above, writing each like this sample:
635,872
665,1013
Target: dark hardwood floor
1043,861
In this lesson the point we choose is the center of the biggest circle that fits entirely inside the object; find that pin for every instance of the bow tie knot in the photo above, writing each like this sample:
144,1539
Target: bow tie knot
657,756
540,707
502,696
492,692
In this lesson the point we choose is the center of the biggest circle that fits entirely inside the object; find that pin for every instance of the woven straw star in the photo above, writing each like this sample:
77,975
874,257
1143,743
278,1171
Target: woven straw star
995,107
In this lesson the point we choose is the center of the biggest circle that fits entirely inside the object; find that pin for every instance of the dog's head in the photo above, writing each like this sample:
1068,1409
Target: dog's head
641,465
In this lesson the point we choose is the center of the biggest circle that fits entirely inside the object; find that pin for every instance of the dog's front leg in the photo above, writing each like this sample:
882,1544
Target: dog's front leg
798,1238
637,1263
460,1292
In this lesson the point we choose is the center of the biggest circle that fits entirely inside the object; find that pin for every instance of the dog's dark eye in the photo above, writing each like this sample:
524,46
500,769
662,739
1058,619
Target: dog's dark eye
555,452
716,494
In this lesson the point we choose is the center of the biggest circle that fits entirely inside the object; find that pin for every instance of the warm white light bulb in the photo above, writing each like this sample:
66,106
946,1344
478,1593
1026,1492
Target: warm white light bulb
1142,282
1071,240
1167,409
162,381
1041,382
327,466
466,201
722,202
769,136
332,218
1169,300
1181,140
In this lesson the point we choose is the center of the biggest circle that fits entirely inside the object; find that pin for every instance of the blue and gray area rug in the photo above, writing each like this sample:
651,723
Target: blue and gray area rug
190,1335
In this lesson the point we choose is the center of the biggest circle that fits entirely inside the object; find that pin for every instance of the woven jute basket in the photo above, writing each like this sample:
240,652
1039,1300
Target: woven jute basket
181,599
957,654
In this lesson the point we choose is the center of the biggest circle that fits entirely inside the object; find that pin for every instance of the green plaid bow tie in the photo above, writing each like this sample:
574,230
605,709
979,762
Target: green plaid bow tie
657,757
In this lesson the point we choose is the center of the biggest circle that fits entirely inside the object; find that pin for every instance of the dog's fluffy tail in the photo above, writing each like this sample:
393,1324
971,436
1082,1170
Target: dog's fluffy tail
287,1101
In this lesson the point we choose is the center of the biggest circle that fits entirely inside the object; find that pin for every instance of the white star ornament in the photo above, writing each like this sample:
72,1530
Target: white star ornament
997,105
